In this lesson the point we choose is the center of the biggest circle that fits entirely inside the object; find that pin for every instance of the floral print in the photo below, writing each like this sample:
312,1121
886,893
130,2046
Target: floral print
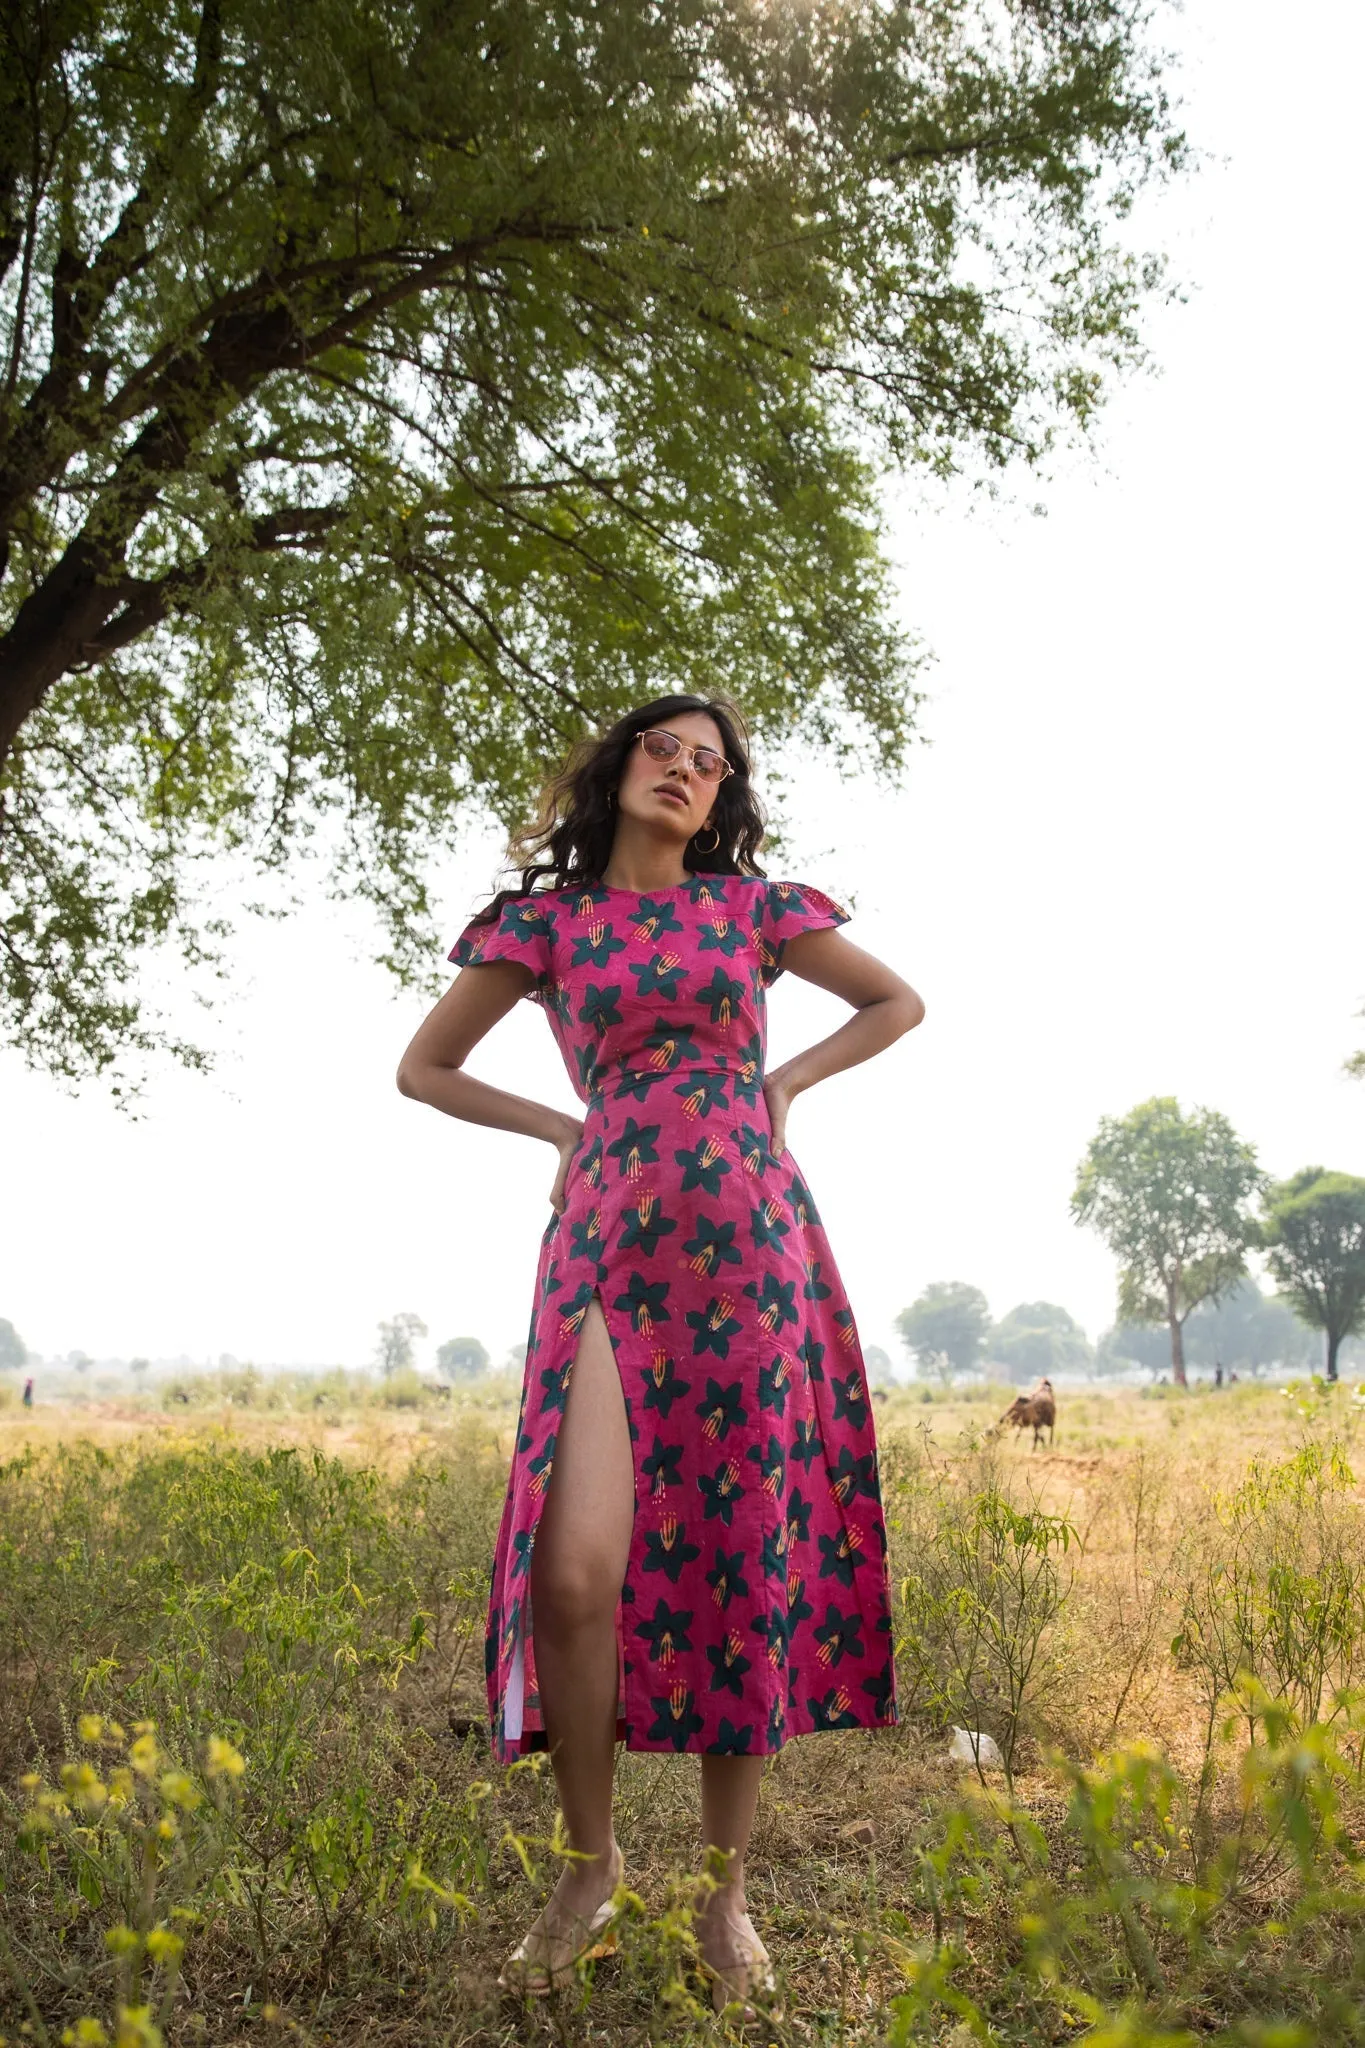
756,1603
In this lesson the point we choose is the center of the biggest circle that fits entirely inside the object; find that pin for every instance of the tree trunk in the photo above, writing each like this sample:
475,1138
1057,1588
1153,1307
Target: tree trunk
1177,1349
1333,1346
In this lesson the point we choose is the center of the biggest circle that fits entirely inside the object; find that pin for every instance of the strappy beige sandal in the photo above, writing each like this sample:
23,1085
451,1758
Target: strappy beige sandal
735,1985
531,1979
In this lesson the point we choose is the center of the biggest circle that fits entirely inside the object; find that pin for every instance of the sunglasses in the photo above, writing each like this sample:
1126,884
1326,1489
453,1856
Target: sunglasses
706,763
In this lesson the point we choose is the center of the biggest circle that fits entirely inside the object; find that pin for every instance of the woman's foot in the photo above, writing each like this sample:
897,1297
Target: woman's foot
735,1960
574,1923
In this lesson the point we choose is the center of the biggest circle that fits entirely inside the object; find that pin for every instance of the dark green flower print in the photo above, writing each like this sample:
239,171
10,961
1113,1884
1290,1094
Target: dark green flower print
598,1007
841,1555
798,1514
635,1148
843,1323
707,891
723,997
595,946
811,1353
527,921
756,1154
643,1224
667,1549
721,1491
676,1719
584,899
651,918
666,1632
775,1553
554,1385
722,934
774,1631
880,1690
726,1579
721,1410
672,1045
661,975
703,1095
777,1718
540,1466
704,1166
784,901
774,1300
799,1608
660,1467
585,1238
712,1245
662,1384
808,1446
851,1476
523,1543
772,1465
850,1402
768,1226
645,1300
635,1084
713,1326
800,1201
815,1288
747,1074
838,1637
835,1710
585,1062
729,1664
732,1741
775,1383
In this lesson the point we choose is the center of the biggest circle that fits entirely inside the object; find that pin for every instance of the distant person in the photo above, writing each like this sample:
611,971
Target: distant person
1218,1376
28,1393
684,1269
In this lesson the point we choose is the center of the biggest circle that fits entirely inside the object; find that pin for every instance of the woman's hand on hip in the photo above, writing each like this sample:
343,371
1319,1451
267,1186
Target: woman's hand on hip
778,1097
568,1145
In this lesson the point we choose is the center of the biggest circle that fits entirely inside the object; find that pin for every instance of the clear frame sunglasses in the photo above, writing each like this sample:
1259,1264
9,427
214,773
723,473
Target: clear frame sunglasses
705,762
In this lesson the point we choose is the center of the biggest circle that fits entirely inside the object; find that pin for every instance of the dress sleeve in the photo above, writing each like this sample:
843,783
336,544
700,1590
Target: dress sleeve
524,931
789,908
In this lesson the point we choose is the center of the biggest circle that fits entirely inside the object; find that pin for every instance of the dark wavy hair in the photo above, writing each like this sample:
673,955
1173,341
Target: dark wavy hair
568,844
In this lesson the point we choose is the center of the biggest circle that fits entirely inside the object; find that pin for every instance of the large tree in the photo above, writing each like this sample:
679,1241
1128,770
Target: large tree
945,1328
1314,1233
1170,1195
388,394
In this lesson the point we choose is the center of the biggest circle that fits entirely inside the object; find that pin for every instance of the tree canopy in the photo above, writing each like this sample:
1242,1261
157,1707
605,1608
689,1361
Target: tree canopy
1314,1235
461,1358
1037,1339
13,1350
388,395
1169,1194
945,1328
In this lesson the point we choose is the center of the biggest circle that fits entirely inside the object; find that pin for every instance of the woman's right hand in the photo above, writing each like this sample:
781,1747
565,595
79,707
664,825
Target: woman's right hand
568,1146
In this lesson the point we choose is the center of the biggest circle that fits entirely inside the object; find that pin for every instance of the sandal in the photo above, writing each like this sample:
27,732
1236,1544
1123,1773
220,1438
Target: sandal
532,1979
736,1983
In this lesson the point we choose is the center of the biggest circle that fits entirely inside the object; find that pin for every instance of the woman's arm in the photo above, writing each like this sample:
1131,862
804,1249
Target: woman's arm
431,1070
885,1007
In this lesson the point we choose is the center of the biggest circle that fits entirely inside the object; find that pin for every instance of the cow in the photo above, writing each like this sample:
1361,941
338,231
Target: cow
1036,1411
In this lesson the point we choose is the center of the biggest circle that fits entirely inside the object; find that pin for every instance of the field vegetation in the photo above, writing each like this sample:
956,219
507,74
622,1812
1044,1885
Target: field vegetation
246,1794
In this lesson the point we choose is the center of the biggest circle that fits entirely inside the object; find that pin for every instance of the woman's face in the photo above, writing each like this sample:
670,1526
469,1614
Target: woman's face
669,796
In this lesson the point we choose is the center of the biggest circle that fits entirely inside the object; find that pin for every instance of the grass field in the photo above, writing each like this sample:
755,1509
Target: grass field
245,1794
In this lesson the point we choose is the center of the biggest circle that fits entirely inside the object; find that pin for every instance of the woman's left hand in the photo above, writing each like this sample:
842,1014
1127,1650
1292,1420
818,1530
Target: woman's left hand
778,1097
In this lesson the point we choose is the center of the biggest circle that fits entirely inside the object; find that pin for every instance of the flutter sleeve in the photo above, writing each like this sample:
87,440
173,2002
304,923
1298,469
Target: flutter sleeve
524,931
789,908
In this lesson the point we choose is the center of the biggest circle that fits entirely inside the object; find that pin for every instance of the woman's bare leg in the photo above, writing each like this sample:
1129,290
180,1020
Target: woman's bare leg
729,1800
578,1567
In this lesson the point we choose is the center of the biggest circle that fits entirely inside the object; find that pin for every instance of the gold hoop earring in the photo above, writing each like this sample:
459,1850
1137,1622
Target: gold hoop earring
715,841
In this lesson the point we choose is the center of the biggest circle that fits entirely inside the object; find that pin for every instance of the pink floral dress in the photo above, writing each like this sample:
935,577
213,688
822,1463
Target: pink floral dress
756,1603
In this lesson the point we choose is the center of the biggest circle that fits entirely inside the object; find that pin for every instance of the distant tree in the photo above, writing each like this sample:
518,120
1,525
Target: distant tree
1037,1339
1356,1063
1315,1247
1169,1194
515,1361
877,1365
1247,1331
1130,1344
13,1350
461,1358
394,1350
79,1361
946,1328
139,1366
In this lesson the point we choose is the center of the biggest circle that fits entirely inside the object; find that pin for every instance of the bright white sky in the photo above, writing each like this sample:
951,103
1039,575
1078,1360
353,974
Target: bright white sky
1129,863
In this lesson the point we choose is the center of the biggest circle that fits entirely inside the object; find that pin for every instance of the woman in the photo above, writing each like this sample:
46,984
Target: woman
707,1569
